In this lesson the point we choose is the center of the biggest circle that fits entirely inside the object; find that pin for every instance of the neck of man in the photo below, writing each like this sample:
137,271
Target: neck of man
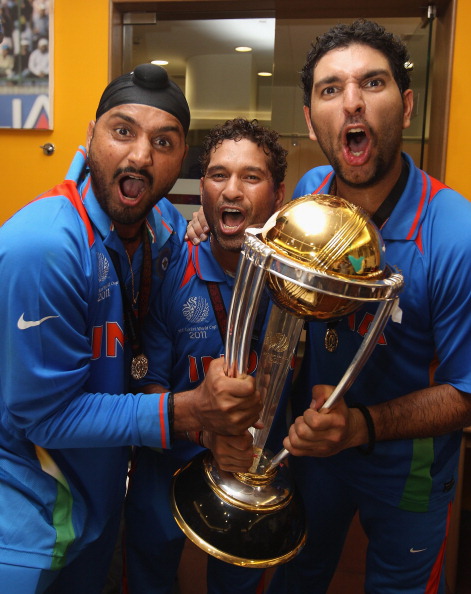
227,259
371,198
130,235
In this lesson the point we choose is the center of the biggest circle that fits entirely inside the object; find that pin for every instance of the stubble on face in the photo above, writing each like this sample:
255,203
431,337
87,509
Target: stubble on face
103,189
386,143
356,107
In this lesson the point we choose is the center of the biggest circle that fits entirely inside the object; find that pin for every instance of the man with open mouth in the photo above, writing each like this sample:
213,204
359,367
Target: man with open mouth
81,266
243,168
389,450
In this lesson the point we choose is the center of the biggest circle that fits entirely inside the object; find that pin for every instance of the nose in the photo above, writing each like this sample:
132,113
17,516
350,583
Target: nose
233,188
353,101
140,153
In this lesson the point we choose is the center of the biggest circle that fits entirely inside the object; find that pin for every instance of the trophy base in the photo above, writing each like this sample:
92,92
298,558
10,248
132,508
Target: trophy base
243,519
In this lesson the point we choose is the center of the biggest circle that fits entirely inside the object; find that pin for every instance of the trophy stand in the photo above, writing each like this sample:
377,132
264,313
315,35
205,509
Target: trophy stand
256,519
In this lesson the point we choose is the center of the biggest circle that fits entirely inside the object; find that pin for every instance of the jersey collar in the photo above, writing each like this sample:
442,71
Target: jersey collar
206,266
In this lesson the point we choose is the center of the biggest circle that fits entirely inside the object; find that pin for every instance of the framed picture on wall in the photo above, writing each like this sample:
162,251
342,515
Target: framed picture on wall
26,60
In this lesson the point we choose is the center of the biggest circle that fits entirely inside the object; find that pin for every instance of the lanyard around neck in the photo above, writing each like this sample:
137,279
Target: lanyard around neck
132,322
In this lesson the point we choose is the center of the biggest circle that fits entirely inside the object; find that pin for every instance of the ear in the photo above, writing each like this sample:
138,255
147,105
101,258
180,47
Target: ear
201,189
90,129
307,117
279,197
408,106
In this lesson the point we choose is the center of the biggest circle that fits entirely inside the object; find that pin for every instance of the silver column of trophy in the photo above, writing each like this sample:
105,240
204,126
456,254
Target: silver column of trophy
320,258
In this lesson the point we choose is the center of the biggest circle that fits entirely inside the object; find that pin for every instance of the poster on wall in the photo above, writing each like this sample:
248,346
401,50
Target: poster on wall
26,60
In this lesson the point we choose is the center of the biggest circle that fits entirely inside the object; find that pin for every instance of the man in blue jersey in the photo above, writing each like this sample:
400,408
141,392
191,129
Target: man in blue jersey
243,168
81,265
394,459
390,448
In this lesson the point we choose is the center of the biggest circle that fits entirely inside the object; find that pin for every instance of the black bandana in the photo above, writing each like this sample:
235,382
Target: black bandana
148,84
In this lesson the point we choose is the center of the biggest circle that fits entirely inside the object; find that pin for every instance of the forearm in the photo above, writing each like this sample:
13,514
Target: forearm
425,413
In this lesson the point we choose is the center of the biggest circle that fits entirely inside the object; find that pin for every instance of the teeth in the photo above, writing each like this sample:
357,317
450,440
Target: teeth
355,131
231,210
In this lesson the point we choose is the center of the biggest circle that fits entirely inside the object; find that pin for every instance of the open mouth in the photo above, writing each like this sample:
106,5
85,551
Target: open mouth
232,218
132,187
357,141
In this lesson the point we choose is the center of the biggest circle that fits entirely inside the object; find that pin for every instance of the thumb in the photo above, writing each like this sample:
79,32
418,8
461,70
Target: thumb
320,394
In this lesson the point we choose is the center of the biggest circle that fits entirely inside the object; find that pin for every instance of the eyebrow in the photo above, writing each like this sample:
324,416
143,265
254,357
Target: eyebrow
249,168
122,116
328,80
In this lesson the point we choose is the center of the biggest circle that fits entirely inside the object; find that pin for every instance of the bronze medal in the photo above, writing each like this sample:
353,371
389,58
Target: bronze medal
331,339
139,366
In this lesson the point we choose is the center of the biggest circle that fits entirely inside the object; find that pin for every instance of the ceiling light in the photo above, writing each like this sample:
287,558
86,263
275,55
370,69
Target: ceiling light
160,62
243,48
264,73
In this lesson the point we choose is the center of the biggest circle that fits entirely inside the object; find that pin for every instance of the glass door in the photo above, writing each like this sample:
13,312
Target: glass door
221,81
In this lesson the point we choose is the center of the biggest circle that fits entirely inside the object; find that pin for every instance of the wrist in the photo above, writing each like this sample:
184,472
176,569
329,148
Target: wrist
195,437
185,414
368,447
170,415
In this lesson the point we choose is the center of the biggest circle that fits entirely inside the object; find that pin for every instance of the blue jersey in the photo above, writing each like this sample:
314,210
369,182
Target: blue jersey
66,419
427,342
182,338
183,335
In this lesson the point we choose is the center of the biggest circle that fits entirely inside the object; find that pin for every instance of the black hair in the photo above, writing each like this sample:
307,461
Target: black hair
240,128
363,32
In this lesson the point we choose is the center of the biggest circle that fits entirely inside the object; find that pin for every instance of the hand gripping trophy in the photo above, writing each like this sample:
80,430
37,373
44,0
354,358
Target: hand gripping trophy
320,258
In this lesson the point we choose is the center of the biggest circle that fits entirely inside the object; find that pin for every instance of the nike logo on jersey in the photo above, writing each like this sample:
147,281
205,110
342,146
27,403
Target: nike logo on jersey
412,550
24,324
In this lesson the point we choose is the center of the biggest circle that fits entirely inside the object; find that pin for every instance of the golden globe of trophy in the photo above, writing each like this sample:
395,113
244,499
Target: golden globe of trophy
320,258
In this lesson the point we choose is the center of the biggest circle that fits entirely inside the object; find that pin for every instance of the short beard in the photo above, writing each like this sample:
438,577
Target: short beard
380,171
383,163
226,244
118,214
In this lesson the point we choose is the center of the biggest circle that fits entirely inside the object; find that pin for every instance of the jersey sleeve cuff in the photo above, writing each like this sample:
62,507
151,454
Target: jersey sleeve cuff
153,420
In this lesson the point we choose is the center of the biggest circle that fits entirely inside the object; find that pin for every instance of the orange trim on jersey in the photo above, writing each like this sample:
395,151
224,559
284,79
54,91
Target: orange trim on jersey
190,270
162,420
432,368
68,189
169,229
197,260
86,188
325,181
433,583
418,241
150,231
436,187
420,208
82,151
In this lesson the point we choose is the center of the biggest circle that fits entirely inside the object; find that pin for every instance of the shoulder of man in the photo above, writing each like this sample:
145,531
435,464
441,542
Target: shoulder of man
316,180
